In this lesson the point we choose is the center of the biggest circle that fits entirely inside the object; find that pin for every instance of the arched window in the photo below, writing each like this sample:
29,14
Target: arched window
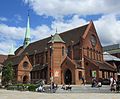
91,53
97,55
63,51
87,51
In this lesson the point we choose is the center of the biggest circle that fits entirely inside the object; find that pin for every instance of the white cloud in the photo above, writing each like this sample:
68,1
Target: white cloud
40,32
108,29
69,24
5,46
3,19
9,32
10,35
58,8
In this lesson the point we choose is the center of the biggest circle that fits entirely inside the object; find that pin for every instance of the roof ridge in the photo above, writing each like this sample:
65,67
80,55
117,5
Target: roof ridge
67,37
59,33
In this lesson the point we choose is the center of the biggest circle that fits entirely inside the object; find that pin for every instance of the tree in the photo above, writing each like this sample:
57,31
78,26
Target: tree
7,74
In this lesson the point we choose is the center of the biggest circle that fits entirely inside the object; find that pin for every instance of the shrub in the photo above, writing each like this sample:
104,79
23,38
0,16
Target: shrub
22,87
32,87
11,87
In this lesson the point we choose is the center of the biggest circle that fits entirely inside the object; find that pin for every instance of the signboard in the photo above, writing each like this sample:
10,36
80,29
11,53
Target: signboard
94,73
56,73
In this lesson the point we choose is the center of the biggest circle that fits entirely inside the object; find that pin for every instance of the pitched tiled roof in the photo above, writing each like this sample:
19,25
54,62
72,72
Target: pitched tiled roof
108,57
15,60
67,37
2,58
102,65
106,66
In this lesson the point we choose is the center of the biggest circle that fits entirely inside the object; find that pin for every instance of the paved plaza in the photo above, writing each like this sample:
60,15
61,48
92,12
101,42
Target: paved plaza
7,94
78,92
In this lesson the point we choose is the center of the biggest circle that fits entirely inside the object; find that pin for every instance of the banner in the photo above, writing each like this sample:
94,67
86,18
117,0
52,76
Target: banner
56,73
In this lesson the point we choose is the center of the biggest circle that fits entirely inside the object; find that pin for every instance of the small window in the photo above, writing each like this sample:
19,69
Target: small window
25,64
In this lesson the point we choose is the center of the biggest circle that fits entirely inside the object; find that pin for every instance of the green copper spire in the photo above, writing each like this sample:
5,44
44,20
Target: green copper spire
11,51
27,34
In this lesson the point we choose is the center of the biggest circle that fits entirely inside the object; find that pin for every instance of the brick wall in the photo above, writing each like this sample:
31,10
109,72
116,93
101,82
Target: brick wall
24,71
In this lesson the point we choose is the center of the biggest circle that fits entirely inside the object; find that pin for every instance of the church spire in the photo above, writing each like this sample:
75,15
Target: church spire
27,34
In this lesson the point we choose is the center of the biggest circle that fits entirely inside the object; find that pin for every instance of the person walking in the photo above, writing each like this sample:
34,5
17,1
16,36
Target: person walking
83,80
112,84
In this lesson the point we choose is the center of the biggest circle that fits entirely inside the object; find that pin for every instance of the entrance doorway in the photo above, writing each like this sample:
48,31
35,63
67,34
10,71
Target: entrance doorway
25,79
118,77
68,77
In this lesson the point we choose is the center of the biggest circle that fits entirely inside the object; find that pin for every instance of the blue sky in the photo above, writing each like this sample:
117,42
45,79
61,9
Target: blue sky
46,15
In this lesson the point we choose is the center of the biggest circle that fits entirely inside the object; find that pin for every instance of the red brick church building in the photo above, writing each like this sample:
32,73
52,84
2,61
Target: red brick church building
62,58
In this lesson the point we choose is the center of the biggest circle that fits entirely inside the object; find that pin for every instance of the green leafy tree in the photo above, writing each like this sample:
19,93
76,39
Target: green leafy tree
8,74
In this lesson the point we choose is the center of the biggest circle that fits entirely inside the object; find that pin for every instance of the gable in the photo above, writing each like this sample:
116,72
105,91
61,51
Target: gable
87,37
68,63
25,64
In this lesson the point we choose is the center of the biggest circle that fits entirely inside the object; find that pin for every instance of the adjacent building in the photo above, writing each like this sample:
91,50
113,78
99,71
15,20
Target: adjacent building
112,56
113,49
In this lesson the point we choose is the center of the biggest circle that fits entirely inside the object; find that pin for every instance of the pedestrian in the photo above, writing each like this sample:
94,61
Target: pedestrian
94,82
53,87
83,80
112,84
63,87
111,81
